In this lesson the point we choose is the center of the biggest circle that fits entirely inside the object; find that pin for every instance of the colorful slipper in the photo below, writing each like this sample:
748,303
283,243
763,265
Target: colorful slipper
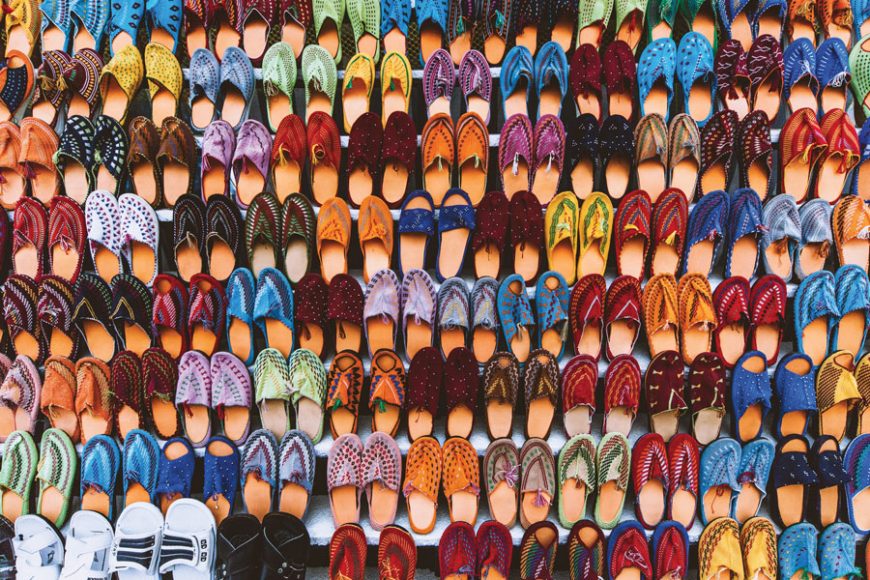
613,465
501,469
307,391
537,483
56,473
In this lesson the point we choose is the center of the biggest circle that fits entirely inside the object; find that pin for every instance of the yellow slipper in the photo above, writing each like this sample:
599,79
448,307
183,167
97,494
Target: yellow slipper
595,231
164,81
119,82
356,89
719,554
561,235
395,85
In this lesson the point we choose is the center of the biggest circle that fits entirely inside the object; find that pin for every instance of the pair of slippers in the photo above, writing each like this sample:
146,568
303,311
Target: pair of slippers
48,242
269,470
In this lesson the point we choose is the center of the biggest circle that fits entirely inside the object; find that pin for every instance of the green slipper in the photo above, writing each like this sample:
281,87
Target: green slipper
593,15
690,9
308,391
320,76
660,18
328,16
629,21
58,466
272,391
279,78
576,475
859,64
613,467
16,477
365,20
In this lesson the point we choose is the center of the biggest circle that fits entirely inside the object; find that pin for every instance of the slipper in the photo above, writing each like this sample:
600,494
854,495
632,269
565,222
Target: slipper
17,84
262,237
380,475
286,544
416,227
259,473
758,542
492,561
538,550
840,157
273,310
732,302
19,408
129,390
223,240
769,18
850,221
815,312
661,315
80,78
622,316
307,386
207,312
538,482
289,154
140,467
541,381
375,230
395,86
837,546
418,306
794,382
828,464
592,23
345,313
395,20
56,472
586,313
250,169
188,543
103,226
457,554
517,82
801,85
621,394
655,71
163,74
455,224
670,549
552,307
255,26
754,469
561,235
651,152
549,143
119,81
312,293
765,66
75,157
30,242
461,480
684,161
18,474
386,391
13,186
855,462
719,485
833,72
438,151
579,380
138,525
295,475
347,551
836,393
732,76
236,87
131,313
472,155
241,293
177,461
782,236
140,237
142,166
160,375
633,241
475,82
55,25
88,545
793,479
439,79
697,77
745,230
551,79
193,396
613,461
651,479
515,154
577,478
398,158
218,147
861,370
38,547
668,232
853,304
344,390
596,214
501,469
111,146
720,552
797,550
57,400
663,389
617,151
20,317
169,319
585,76
364,158
423,469
221,477
93,403
802,144
707,396
717,152
381,314
683,465
501,383
526,234
697,316
706,233
515,316
319,77
101,466
271,384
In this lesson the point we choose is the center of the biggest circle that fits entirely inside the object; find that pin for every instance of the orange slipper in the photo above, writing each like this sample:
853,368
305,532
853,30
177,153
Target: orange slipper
697,316
660,314
333,238
461,480
423,469
375,230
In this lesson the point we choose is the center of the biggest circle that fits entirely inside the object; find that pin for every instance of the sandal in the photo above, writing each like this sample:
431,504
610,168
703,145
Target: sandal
38,547
140,524
795,384
719,486
187,548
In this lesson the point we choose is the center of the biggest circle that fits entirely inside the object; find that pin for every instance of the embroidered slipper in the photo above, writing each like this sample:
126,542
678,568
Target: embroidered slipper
439,78
745,230
803,143
425,376
364,157
160,375
841,156
241,294
472,155
56,472
38,145
13,186
706,233
793,479
207,313
93,404
552,305
455,225
765,65
561,235
163,74
398,158
592,23
344,391
132,313
111,146
188,231
732,303
101,465
579,380
538,550
387,391
19,409
381,314
492,560
697,315
438,150
501,383
828,464
177,462
707,396
347,552
142,160
55,24
815,311
577,478
655,71
17,83
622,312
515,316
123,26
395,20
861,370
663,389
289,154
30,240
140,237
651,479
75,157
853,304
661,316
515,154
18,474
273,310
423,470
250,169
621,394
837,552
596,215
57,400
129,390
461,480
272,390
259,473
684,161
475,82
418,306
344,311
782,236
585,75
587,312
850,221
489,239
719,549
613,461
794,383
307,386
295,473
223,236
375,230
837,393
395,85
697,78
226,18
457,554
256,22
526,234
262,235
717,152
380,476
754,469
81,76
617,150
797,550
668,232
193,397
651,153
633,240
218,147
549,144
756,154
551,79
541,382
801,85
310,315
833,71
719,486
538,483
119,81
855,462
236,87
20,297
501,469
517,82
732,77
684,461
320,78
416,227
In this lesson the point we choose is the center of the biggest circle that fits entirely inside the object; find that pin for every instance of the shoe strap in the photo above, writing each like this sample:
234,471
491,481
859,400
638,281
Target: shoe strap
188,550
136,552
81,555
32,554
279,566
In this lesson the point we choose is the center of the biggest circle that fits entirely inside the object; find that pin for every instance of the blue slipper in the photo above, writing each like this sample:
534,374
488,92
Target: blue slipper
719,464
827,460
205,79
551,75
396,14
832,70
852,291
415,222
454,309
176,475
762,8
814,301
750,388
237,73
93,17
259,463
552,308
165,15
857,463
755,461
792,469
816,233
432,12
125,17
797,551
728,11
655,72
296,461
221,475
782,228
837,553
454,217
101,462
56,14
799,67
141,462
274,301
795,385
517,66
514,310
241,291
708,222
744,225
695,72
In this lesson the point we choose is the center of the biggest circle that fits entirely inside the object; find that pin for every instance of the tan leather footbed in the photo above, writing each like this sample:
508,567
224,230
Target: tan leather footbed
610,501
528,37
499,418
12,186
355,102
617,174
165,417
527,258
503,503
293,34
487,261
460,45
273,416
53,38
790,498
328,37
394,183
494,49
360,185
394,41
540,417
115,100
420,423
255,34
258,496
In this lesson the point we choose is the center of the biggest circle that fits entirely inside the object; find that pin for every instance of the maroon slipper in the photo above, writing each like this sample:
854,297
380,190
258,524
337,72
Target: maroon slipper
425,377
66,238
345,306
169,315
587,314
621,394
663,389
633,233
579,383
620,76
707,396
767,305
127,387
527,234
364,158
585,80
30,237
622,316
312,295
207,308
717,151
669,221
399,158
731,300
159,376
490,234
462,386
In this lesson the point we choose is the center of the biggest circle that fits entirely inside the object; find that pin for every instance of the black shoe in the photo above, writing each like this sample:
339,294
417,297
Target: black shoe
285,547
239,548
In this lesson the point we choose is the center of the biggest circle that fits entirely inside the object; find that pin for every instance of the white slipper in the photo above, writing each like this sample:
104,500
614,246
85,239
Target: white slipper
38,549
188,549
88,546
136,547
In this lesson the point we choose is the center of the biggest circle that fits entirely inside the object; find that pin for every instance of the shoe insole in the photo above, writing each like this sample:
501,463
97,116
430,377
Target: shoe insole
412,251
861,508
650,178
348,336
815,339
324,182
833,98
328,37
249,184
255,34
451,250
115,101
225,38
286,178
345,504
696,340
790,502
589,341
11,505
128,419
666,423
196,37
394,99
222,261
53,38
620,103
77,105
619,419
417,336
528,37
394,183
707,424
12,187
744,257
617,174
551,339
460,421
592,261
578,420
239,338
793,423
309,417
684,176
234,106
421,512
437,181
631,261
830,180
610,501
279,336
487,261
503,503
218,504
165,417
197,423
631,29
530,511
663,339
201,113
665,260
163,106
656,100
203,339
293,33
360,185
75,181
851,331
717,502
383,502
394,41
262,257
591,35
700,258
420,423
856,251
516,178
621,336
651,502
106,263
714,178
812,257
143,261
540,418
732,342
573,499
386,420
27,344
236,422
355,102
460,46
550,101
145,182
273,416
135,338
527,258
801,96
463,507
188,260
472,179
92,425
767,98
380,333
311,337
52,503
563,261
545,183
258,496
293,499
499,418
98,501
100,341
136,493
413,246
517,103
832,421
494,48
583,178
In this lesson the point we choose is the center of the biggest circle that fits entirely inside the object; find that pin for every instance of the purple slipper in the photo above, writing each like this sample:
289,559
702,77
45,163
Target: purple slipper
475,81
439,78
381,309
20,393
418,304
231,389
514,148
549,157
193,396
218,146
253,148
